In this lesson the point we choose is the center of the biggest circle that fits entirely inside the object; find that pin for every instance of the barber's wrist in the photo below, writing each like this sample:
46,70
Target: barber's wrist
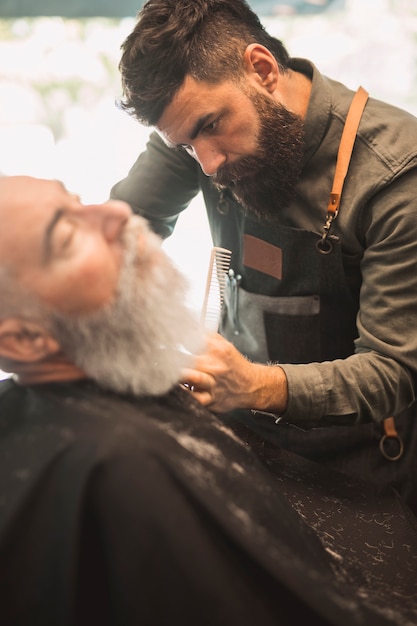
270,389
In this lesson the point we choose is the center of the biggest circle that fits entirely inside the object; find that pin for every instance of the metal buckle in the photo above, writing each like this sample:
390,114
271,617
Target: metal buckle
324,246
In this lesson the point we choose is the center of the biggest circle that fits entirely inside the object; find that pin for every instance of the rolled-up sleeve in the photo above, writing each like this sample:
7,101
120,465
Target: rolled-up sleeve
160,184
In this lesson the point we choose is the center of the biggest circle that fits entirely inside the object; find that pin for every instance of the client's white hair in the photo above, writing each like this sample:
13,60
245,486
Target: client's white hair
140,342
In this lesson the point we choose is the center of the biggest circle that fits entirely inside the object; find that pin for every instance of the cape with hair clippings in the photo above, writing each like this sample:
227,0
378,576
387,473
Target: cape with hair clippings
117,510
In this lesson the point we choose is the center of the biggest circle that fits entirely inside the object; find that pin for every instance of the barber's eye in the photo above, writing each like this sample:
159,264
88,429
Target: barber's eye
211,127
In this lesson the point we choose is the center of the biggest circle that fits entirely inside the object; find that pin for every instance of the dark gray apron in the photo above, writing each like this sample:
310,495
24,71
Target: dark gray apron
292,297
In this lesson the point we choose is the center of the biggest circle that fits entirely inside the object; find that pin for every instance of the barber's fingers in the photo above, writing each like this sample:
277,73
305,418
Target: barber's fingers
197,379
200,384
203,397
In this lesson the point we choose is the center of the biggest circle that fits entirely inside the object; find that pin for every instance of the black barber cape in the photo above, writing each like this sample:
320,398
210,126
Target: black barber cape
151,512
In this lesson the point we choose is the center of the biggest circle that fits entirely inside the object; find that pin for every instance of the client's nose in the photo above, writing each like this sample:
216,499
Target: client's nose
112,216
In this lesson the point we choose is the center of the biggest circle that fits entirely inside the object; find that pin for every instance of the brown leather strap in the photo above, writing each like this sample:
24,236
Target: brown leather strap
344,154
391,433
389,427
345,148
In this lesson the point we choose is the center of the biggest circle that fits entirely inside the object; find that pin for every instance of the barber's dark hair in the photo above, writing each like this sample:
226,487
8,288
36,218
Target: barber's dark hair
173,38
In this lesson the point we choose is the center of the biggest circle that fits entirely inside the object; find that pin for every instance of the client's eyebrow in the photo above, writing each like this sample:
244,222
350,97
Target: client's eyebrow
47,240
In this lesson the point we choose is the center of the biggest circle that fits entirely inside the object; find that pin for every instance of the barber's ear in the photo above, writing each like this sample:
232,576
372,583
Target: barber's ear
25,341
261,66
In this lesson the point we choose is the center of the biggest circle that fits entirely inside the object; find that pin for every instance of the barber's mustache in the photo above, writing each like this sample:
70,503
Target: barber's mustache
231,174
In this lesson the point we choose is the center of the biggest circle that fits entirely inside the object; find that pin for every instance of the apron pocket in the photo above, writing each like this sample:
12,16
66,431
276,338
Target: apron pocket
293,330
269,328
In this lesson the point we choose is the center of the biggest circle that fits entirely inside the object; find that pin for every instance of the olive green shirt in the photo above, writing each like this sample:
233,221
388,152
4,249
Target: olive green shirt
377,226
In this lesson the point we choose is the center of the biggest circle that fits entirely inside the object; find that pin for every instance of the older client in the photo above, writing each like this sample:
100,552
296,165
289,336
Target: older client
122,500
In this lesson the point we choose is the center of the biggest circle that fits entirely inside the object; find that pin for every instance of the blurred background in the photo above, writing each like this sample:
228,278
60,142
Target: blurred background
59,81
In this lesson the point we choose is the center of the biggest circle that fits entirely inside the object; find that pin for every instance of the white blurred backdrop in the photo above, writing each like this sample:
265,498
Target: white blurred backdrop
59,81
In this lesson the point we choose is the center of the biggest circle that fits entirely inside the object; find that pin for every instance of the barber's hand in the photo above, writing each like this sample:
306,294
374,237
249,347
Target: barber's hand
223,379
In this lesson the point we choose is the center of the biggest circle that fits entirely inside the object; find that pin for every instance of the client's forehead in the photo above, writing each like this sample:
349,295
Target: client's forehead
23,194
26,206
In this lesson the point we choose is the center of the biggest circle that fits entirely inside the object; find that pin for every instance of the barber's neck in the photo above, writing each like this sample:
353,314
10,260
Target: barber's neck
295,91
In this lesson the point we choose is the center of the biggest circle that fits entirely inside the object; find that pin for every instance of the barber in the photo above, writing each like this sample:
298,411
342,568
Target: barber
318,348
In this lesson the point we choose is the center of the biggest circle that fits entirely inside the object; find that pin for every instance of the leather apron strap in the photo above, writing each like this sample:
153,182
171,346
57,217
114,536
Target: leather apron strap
391,434
342,165
344,154
346,147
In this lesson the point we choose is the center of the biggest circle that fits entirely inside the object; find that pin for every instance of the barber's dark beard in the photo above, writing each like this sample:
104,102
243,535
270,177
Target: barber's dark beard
264,182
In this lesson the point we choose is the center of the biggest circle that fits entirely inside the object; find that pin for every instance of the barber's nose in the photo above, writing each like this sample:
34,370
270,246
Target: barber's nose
111,217
209,158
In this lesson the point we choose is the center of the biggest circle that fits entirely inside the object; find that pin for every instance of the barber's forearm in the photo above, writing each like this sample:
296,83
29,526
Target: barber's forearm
363,387
268,389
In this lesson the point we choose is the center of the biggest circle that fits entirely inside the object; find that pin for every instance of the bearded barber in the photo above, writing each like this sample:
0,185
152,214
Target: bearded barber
319,349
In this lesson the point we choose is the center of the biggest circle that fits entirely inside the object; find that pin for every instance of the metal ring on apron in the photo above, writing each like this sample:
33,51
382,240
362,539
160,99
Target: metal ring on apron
391,434
324,246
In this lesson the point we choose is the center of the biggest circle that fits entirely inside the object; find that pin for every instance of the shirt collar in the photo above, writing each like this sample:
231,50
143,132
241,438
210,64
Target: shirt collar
318,110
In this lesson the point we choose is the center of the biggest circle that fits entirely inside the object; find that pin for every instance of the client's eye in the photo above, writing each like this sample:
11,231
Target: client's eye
63,236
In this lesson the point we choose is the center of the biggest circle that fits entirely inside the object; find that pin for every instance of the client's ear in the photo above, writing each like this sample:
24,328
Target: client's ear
25,341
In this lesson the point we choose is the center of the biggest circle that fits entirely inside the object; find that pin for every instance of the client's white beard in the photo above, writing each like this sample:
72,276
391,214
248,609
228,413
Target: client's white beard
143,339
